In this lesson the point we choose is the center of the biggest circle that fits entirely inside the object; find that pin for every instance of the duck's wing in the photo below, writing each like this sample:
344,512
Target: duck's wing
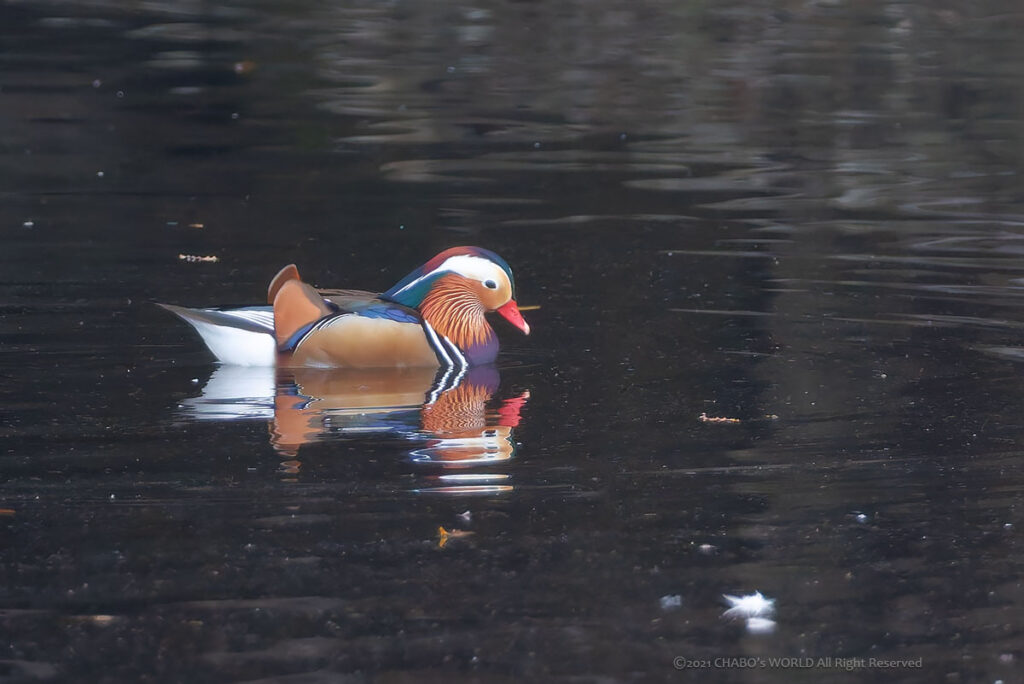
351,300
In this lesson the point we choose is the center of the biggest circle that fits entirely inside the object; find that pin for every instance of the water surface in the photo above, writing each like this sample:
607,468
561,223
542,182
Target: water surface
803,219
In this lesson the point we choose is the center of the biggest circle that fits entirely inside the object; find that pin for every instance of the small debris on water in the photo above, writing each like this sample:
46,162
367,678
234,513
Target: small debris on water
28,224
671,602
101,620
705,418
444,536
749,606
194,258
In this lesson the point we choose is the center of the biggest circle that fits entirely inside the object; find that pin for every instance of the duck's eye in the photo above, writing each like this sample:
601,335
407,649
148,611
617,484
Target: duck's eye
490,285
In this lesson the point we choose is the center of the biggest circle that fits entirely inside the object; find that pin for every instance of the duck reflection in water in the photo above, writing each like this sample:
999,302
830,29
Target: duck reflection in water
451,416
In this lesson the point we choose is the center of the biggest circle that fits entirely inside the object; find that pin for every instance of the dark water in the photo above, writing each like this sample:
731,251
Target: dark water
804,216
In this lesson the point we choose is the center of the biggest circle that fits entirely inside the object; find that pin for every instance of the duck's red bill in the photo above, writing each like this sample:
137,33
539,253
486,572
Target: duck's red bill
510,312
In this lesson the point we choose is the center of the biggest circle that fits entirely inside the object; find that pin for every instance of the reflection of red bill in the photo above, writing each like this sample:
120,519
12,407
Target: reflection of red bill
510,312
508,412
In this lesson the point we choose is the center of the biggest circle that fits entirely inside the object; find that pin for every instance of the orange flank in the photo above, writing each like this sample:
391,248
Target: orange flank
356,342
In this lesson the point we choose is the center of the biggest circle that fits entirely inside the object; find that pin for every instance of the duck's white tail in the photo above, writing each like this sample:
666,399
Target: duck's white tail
240,337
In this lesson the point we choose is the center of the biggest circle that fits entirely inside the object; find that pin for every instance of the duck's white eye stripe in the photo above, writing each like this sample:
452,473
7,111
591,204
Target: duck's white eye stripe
472,267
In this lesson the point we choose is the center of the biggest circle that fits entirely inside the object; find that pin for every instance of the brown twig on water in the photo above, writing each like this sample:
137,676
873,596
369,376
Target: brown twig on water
705,418
195,258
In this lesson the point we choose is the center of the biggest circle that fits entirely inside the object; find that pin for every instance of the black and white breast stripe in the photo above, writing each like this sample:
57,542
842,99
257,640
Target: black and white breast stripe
453,363
447,353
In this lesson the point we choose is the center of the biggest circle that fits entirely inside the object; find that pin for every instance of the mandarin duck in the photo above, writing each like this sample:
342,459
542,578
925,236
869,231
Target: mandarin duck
432,318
